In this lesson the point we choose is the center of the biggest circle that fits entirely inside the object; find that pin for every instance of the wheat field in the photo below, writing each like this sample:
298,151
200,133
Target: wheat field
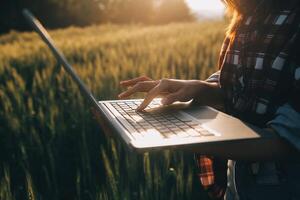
51,147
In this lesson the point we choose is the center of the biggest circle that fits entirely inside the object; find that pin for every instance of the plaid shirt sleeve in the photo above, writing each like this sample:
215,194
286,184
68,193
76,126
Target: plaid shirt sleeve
212,175
214,78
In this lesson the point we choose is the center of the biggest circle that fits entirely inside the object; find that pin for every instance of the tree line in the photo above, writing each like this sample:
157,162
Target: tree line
62,13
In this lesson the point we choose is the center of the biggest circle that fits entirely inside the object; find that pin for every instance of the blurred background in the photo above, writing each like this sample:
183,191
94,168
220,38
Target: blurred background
57,13
51,146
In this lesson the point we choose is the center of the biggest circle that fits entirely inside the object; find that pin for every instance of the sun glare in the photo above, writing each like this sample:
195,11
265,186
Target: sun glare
213,5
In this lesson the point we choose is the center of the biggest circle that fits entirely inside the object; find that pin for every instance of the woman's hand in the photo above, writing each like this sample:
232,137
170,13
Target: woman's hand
171,89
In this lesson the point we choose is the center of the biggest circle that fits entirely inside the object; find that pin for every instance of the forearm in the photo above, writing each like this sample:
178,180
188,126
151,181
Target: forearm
271,148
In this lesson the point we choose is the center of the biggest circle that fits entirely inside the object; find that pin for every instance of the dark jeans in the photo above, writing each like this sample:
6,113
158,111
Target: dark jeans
263,181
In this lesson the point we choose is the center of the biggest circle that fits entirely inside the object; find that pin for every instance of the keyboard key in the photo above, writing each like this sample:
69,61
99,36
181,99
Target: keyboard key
127,117
150,120
146,127
206,133
199,128
137,118
152,134
176,121
169,135
179,124
159,126
144,123
192,123
137,135
139,129
184,127
192,132
182,134
163,130
170,125
175,129
136,126
143,114
157,123
170,118
152,106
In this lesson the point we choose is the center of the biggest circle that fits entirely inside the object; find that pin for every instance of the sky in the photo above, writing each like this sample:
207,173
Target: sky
209,5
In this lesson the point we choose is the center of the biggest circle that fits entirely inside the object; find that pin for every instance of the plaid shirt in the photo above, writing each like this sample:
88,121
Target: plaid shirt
259,72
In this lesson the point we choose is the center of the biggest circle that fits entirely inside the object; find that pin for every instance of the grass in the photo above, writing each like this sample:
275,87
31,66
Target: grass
51,147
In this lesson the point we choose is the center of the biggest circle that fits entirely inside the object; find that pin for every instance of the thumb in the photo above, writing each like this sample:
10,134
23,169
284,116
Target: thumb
171,98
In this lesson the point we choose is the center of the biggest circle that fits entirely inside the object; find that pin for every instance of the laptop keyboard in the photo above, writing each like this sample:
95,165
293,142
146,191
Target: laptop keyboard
159,125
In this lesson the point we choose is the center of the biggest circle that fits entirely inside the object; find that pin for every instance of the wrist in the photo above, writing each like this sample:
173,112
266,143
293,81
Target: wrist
209,93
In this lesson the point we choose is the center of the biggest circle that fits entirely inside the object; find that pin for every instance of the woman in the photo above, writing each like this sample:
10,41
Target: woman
258,82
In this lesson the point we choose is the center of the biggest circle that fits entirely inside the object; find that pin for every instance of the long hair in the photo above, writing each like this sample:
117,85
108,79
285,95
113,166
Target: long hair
238,9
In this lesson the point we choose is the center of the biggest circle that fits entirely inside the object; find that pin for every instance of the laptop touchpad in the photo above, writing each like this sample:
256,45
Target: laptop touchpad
202,113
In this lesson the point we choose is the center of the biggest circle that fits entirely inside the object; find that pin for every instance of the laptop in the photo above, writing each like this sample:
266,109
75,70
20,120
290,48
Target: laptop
183,126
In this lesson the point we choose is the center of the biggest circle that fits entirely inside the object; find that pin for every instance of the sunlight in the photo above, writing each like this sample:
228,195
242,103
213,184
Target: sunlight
212,5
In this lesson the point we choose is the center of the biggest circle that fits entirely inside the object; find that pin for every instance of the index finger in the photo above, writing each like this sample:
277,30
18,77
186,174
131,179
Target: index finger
135,81
144,86
149,97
